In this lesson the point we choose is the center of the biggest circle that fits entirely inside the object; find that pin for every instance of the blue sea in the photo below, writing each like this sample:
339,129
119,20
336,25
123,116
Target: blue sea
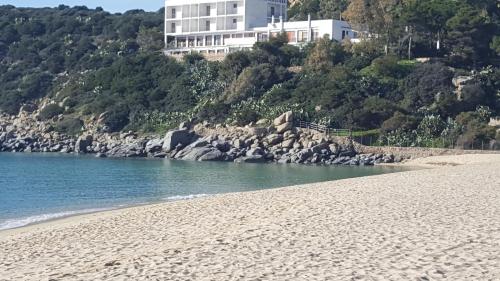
39,187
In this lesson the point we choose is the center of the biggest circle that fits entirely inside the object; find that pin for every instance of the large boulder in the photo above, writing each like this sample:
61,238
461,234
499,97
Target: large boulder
213,155
255,151
82,143
175,138
222,145
286,117
274,139
279,120
320,147
289,117
239,143
199,143
288,143
262,122
195,153
128,150
251,159
284,127
154,145
334,148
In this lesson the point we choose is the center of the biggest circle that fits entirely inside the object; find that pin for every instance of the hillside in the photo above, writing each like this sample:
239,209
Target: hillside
73,65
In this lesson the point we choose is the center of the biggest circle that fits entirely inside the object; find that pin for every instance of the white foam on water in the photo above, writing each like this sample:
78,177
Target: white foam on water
15,223
20,222
185,197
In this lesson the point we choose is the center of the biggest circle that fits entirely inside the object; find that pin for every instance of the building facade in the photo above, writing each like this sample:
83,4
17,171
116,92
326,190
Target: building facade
224,26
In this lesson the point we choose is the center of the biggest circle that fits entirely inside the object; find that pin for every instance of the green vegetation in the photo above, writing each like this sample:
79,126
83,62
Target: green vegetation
50,111
70,126
111,66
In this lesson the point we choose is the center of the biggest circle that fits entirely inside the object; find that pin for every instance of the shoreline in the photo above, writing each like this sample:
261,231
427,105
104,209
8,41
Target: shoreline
395,226
82,213
177,198
412,165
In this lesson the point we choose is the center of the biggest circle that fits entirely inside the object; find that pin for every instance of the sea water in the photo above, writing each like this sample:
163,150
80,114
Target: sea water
39,187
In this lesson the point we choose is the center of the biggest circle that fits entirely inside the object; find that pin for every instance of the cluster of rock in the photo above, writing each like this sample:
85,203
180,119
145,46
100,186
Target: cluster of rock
277,141
24,134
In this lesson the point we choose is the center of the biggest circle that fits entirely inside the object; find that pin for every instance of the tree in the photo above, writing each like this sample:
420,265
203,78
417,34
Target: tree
427,19
301,9
476,130
332,9
150,39
233,65
495,45
377,15
399,121
388,66
253,81
471,32
324,55
423,86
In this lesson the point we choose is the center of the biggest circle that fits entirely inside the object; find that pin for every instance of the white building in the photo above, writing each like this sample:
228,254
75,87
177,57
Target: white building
224,26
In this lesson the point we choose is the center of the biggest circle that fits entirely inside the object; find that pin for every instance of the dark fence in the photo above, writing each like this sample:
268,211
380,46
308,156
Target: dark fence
323,129
373,139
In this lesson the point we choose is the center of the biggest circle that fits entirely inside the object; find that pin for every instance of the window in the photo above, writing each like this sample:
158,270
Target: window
315,35
272,11
208,10
302,36
173,13
343,34
172,27
235,6
207,25
234,21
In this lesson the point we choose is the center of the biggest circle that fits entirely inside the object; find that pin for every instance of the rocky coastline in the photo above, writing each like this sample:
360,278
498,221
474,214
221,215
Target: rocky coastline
266,141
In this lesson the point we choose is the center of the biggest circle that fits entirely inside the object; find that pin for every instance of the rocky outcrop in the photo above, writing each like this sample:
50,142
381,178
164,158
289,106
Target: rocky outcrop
279,142
173,139
83,144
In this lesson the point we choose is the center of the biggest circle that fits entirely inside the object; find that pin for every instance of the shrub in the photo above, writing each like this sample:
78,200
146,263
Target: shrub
388,66
245,116
476,130
117,118
425,84
50,111
70,126
253,81
399,121
193,58
213,112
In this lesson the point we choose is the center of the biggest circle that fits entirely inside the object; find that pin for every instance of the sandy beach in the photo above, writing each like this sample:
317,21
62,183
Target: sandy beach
441,223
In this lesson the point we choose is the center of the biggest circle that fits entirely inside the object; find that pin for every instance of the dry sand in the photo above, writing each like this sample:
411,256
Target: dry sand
431,224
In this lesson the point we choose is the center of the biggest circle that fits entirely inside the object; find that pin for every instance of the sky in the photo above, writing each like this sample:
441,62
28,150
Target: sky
114,6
